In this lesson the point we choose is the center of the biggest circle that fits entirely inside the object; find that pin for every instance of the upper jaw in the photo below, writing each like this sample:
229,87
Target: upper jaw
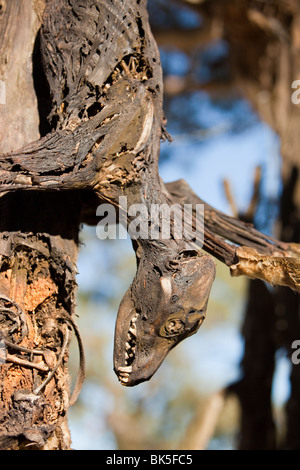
125,357
140,358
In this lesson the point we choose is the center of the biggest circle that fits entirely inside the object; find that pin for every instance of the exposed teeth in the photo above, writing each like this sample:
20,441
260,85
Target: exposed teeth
124,379
125,369
130,349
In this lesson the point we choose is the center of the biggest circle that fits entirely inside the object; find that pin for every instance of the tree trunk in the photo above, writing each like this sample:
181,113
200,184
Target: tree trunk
264,55
38,245
269,32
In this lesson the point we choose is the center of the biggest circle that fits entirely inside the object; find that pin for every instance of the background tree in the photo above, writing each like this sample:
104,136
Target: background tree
263,65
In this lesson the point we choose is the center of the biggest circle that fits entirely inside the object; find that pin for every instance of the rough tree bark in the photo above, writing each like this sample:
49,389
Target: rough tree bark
98,82
39,236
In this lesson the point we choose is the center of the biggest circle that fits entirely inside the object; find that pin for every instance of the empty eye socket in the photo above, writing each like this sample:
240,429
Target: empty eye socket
174,326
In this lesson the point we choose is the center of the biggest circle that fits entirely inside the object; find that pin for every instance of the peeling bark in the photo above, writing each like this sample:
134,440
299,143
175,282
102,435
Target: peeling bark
98,82
38,251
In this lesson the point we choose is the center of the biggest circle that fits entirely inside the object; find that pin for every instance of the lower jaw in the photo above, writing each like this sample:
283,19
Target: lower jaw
124,380
132,382
128,381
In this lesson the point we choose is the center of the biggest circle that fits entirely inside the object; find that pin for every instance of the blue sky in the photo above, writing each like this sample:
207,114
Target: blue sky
234,157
